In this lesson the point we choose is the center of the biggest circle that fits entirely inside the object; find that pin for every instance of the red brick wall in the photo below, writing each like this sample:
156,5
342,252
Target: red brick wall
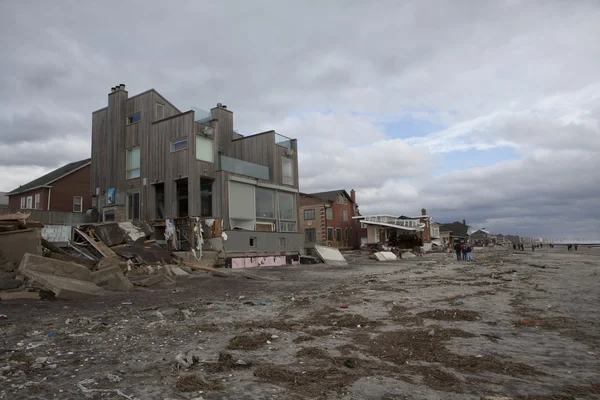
15,200
309,203
75,184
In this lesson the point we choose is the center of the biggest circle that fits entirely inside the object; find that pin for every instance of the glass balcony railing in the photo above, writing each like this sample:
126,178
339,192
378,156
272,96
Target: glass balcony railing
283,141
244,168
201,116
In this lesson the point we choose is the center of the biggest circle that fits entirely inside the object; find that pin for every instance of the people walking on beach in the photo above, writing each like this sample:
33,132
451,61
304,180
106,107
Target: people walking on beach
576,247
532,247
463,250
569,247
468,250
522,247
457,249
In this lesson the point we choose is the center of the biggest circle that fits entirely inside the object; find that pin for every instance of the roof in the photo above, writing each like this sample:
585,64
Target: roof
328,196
51,176
457,228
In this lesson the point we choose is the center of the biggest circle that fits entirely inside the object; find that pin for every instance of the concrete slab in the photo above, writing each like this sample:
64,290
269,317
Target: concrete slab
19,295
105,274
408,254
153,280
119,282
65,288
330,255
385,256
50,266
176,270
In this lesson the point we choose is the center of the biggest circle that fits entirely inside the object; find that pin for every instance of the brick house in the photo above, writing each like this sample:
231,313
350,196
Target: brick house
64,189
327,219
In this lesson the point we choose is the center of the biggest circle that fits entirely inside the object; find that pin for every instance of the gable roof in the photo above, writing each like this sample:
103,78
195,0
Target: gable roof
457,228
328,196
51,176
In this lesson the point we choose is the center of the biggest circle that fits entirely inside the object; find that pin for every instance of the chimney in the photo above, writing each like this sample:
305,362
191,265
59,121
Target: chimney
224,107
423,211
122,86
464,221
353,196
219,105
113,89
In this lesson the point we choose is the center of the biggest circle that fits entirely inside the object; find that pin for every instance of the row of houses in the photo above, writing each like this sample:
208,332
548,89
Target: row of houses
154,162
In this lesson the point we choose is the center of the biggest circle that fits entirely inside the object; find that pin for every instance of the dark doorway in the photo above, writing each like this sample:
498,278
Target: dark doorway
133,206
182,198
206,194
159,201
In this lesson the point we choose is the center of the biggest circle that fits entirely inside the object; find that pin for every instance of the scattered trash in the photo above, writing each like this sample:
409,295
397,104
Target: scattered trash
528,322
264,303
113,378
459,303
268,342
51,334
274,337
344,306
549,306
127,303
350,363
431,332
84,389
3,316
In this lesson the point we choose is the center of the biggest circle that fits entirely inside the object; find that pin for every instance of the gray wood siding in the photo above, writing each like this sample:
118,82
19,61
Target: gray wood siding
100,150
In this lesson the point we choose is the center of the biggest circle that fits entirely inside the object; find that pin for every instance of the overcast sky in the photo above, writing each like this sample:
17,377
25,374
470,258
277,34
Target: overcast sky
483,110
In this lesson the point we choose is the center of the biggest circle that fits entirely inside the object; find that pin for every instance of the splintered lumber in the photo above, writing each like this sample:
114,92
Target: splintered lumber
100,247
198,267
52,247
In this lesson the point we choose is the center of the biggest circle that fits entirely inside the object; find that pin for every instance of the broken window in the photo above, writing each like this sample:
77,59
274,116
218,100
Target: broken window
309,214
133,118
133,205
133,162
310,235
206,198
77,204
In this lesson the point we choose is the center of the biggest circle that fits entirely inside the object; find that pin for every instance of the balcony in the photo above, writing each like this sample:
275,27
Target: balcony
201,116
391,220
244,168
283,141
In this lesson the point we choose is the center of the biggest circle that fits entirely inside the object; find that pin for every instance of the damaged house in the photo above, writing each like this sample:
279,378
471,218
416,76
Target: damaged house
153,162
456,231
402,232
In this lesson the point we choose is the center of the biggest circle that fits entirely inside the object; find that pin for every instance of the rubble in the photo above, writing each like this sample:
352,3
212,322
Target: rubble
32,263
118,282
384,256
64,288
330,256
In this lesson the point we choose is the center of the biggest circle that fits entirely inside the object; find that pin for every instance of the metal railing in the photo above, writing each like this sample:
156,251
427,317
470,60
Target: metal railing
283,141
244,168
201,116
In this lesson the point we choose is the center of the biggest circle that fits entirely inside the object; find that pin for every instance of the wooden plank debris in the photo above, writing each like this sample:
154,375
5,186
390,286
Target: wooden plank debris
103,249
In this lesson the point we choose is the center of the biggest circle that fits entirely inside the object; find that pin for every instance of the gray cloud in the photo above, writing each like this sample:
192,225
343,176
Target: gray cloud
517,73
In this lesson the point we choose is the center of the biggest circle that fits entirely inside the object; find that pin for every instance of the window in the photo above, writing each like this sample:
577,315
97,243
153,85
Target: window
23,203
179,144
329,213
38,203
309,214
310,235
341,199
252,242
29,202
338,235
345,215
133,118
286,206
133,206
133,162
287,171
265,226
330,234
159,201
346,237
205,198
265,203
282,243
160,111
287,227
205,149
77,204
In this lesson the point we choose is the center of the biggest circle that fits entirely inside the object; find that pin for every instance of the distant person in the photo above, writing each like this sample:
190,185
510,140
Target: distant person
569,247
576,247
457,250
522,247
468,252
463,250
532,247
514,246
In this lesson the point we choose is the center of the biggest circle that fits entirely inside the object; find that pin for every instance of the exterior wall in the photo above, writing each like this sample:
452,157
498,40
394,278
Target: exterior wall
319,223
14,244
14,201
426,234
74,184
266,242
57,233
338,223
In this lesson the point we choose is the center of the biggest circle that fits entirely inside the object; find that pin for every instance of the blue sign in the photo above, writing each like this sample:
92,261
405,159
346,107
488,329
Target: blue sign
111,196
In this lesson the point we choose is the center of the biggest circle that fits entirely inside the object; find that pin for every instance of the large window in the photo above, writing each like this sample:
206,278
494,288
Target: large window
345,215
346,234
133,206
205,198
310,235
330,234
38,203
77,204
287,226
286,206
23,203
265,203
287,171
309,214
338,235
329,213
133,162
179,144
29,202
205,149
